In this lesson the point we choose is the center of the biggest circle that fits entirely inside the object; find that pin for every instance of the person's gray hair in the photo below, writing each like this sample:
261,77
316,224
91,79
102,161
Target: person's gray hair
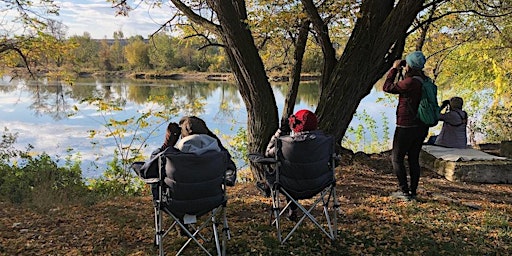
456,103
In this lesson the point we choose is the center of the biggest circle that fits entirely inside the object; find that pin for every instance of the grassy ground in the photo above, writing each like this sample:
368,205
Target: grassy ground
448,219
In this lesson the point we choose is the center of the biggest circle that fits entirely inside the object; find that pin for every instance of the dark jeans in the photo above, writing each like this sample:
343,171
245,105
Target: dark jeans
408,141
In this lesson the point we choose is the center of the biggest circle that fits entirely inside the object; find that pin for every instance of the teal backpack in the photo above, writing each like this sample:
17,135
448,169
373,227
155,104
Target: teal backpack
428,110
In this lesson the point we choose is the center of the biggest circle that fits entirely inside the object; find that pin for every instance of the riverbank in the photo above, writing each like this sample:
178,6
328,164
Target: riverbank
151,75
191,76
448,219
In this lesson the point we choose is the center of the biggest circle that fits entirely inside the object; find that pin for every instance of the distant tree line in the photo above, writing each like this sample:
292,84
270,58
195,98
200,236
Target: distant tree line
52,52
82,53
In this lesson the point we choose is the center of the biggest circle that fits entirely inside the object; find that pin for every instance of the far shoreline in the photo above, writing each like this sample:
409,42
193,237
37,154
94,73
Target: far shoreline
149,75
189,76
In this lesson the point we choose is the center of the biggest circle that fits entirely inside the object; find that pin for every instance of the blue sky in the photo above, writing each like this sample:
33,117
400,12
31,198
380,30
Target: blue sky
98,18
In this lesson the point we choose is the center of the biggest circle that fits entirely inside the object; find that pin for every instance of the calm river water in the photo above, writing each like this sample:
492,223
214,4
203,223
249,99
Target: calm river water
54,118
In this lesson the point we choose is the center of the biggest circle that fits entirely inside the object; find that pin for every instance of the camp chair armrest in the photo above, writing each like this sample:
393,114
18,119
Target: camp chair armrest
261,159
136,166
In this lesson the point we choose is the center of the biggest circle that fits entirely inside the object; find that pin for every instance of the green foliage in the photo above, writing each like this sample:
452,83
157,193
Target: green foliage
498,125
136,53
40,182
116,50
239,151
130,136
105,61
366,135
37,180
115,181
190,59
85,55
7,150
161,51
238,144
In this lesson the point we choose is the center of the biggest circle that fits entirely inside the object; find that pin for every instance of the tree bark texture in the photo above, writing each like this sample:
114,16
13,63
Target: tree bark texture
377,40
250,75
300,49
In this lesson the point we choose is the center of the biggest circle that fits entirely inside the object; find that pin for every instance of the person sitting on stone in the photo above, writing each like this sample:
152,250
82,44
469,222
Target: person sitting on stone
453,133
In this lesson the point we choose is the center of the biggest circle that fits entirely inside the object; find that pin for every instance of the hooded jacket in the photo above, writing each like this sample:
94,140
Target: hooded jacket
453,134
198,144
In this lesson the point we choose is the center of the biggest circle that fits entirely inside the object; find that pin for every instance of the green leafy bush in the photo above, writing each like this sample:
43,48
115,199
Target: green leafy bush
37,179
117,181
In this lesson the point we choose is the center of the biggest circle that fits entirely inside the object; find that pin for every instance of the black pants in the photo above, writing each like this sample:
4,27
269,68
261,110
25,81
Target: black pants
408,141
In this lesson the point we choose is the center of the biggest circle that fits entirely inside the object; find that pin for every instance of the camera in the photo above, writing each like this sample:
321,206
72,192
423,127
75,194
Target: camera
445,104
403,63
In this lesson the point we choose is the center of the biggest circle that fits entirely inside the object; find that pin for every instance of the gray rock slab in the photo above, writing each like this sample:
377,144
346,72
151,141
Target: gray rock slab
477,171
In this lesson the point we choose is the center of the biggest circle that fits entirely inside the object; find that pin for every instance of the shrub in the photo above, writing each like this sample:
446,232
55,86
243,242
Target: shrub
117,181
37,180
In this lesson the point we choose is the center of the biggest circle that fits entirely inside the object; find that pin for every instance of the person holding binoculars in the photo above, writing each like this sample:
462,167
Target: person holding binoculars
453,134
410,131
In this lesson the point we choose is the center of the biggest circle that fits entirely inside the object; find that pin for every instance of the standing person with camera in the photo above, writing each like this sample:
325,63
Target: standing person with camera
410,132
453,134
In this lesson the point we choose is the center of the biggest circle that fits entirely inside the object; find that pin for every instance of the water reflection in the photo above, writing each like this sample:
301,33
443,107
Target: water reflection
45,114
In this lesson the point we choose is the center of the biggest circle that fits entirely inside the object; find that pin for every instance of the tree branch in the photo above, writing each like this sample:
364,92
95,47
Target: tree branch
194,17
13,46
322,31
435,4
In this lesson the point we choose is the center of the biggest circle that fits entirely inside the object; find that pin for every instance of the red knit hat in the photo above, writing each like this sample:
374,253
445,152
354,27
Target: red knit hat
303,120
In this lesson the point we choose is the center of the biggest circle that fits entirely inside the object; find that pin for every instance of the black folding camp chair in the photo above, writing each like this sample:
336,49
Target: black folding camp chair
303,170
191,190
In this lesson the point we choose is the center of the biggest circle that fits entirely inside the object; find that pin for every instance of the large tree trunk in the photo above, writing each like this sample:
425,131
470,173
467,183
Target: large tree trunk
322,31
250,74
300,49
376,41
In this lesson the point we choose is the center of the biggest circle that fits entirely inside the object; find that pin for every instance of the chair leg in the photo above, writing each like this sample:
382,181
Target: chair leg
331,222
216,235
275,210
158,230
192,236
226,234
335,206
307,213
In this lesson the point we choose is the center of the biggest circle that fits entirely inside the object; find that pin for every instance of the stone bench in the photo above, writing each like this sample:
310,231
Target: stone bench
466,165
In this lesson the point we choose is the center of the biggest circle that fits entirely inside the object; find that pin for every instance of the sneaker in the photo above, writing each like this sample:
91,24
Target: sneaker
182,232
230,178
401,195
263,188
292,214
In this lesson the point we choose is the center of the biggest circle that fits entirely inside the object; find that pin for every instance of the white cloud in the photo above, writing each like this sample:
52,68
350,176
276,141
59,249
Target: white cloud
98,18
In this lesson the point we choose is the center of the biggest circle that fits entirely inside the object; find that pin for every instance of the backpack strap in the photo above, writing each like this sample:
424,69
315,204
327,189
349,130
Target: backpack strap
419,78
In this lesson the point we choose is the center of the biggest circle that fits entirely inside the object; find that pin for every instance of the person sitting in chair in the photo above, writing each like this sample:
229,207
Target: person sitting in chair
195,138
301,126
453,134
